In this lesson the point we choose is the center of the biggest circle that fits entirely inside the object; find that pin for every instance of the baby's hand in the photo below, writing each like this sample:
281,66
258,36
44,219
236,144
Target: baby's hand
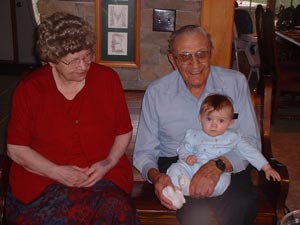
191,160
270,172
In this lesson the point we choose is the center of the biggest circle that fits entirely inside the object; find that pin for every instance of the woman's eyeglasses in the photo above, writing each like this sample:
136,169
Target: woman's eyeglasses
187,58
87,59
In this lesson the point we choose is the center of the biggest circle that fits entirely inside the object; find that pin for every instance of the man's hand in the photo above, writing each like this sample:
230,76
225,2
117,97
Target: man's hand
204,180
160,181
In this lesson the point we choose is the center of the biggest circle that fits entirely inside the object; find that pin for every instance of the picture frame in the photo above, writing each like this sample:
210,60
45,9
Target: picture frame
117,28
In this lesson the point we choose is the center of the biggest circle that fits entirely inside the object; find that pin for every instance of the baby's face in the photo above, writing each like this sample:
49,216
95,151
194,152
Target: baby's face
216,122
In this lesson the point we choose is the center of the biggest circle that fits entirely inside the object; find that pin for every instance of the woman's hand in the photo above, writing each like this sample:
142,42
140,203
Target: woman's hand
71,176
36,163
96,172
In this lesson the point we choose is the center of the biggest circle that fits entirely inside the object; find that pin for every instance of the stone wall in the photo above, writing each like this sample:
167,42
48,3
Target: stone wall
153,45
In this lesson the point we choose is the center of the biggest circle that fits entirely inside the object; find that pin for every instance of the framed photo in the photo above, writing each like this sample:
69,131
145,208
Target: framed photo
118,32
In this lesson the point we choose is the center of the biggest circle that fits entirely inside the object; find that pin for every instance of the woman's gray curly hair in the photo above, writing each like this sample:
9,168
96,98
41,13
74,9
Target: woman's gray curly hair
63,33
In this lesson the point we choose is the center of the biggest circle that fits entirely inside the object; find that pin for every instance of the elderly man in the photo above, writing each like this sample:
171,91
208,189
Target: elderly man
171,106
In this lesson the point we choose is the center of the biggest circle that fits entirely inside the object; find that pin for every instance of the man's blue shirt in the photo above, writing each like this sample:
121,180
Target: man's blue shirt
169,109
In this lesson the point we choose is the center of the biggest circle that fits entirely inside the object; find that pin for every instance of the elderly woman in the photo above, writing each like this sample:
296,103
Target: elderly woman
67,135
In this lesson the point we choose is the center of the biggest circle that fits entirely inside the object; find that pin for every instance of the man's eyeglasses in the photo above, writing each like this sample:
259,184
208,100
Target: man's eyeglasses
187,58
87,59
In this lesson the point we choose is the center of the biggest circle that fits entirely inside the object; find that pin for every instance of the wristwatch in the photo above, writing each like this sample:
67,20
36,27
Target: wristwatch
220,164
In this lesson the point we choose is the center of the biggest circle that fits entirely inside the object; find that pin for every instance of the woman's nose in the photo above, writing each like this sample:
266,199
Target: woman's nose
82,64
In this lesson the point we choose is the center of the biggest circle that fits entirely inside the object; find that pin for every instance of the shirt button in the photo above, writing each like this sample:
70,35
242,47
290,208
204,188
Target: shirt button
76,121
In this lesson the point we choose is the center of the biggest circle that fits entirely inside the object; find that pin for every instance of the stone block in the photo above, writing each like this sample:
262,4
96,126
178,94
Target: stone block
186,17
146,19
149,53
127,73
153,54
46,8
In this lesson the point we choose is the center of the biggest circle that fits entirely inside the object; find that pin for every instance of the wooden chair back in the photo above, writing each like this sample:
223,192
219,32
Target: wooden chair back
296,21
265,30
285,74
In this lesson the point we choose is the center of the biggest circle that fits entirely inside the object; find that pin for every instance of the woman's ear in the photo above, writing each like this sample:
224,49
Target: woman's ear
51,64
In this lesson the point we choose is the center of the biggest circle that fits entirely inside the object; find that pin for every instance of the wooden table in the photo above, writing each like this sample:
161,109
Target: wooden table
292,36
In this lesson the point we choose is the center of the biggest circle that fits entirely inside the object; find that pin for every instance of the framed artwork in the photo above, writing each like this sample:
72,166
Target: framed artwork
118,33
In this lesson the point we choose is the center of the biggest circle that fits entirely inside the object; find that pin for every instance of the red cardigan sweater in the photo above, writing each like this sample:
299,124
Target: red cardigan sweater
68,132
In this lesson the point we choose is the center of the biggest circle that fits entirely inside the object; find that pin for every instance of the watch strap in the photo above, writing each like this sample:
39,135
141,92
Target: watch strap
220,165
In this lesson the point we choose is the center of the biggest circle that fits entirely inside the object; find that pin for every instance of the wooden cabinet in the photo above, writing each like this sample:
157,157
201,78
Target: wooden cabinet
18,27
7,37
217,18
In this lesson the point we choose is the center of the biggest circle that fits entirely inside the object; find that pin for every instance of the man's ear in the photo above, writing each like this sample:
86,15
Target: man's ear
211,52
172,61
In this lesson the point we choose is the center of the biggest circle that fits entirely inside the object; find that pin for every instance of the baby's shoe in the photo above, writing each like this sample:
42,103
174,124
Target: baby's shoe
175,196
184,183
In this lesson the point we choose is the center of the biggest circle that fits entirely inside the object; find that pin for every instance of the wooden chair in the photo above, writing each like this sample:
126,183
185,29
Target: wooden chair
271,195
5,163
296,20
285,75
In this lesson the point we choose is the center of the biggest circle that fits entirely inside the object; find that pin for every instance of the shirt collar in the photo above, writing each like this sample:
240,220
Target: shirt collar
214,84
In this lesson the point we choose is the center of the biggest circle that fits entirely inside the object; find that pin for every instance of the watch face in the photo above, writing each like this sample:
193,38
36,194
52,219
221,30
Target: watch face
221,165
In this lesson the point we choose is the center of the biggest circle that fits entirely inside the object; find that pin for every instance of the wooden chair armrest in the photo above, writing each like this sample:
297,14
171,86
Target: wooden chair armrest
5,163
276,192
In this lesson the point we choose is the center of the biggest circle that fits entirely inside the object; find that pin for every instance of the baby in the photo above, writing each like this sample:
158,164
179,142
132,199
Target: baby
209,143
